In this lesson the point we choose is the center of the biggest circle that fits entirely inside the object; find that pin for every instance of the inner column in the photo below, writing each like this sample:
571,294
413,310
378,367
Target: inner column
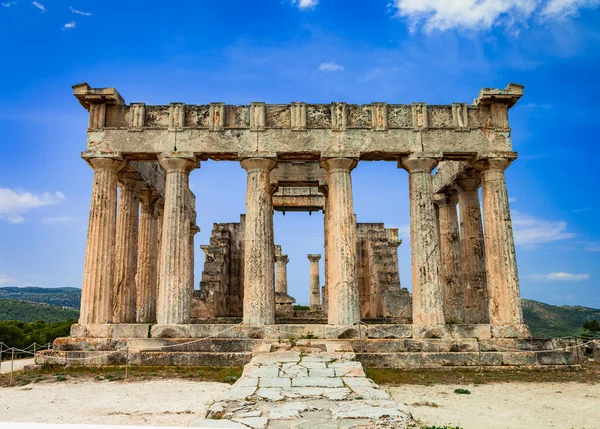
259,291
315,283
342,281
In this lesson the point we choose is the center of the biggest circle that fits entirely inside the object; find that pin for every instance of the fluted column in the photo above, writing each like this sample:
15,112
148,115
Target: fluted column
452,281
325,290
500,258
315,282
472,251
342,282
174,294
428,294
99,266
145,281
160,211
125,296
281,285
259,291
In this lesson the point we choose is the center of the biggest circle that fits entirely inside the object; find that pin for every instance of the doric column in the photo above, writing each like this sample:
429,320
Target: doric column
174,294
160,211
259,291
315,283
451,258
325,290
342,282
99,266
472,251
125,296
281,285
428,294
500,258
145,281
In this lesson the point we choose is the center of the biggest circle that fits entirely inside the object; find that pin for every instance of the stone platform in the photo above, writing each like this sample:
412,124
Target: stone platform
381,346
311,384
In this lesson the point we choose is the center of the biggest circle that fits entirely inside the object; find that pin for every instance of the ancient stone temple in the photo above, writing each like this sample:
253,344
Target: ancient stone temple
138,275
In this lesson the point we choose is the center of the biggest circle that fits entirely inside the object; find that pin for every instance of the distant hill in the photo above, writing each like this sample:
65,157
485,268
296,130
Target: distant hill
60,296
24,311
556,321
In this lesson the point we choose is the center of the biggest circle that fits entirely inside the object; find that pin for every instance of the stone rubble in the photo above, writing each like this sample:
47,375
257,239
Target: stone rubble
299,389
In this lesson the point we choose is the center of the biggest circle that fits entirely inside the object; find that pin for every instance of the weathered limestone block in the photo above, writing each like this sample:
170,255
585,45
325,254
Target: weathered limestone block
174,293
126,251
342,283
397,304
259,291
98,271
146,284
315,286
472,251
452,279
501,262
281,262
428,294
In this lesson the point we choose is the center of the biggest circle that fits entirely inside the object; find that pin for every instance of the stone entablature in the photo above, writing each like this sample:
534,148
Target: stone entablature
376,131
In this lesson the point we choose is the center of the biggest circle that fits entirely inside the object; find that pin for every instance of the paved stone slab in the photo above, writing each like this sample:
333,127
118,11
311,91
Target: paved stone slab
270,393
321,372
313,364
238,394
303,392
274,382
317,382
218,424
294,370
254,422
369,410
290,411
261,371
246,382
336,393
370,393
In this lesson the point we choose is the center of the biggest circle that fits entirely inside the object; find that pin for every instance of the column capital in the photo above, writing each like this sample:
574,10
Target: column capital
422,163
182,162
314,257
258,164
282,258
149,196
492,164
448,197
338,164
105,163
131,180
469,182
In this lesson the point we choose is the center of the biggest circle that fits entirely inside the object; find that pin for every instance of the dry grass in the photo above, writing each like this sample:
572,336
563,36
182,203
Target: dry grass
57,374
429,377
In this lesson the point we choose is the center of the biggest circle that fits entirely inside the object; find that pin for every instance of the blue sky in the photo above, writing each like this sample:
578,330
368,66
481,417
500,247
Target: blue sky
278,51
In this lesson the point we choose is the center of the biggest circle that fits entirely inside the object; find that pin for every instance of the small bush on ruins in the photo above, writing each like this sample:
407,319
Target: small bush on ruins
462,391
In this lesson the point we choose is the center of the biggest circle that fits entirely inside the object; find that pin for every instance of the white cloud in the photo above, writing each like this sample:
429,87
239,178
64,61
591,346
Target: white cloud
330,66
8,3
79,12
592,247
512,200
4,279
13,204
483,14
560,276
531,230
305,4
70,25
40,6
57,219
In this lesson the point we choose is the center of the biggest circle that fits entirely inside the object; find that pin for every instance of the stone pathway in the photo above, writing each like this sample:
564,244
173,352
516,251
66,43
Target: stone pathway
316,385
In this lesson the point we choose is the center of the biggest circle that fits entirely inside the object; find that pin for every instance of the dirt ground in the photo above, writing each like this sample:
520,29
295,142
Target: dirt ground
504,405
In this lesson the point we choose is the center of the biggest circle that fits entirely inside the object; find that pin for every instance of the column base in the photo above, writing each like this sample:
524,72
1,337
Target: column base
511,331
111,330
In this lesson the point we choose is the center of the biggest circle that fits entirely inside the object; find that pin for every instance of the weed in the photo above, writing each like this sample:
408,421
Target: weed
61,378
425,404
462,391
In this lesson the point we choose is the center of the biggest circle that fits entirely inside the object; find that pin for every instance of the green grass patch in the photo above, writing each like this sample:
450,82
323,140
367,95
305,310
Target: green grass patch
462,391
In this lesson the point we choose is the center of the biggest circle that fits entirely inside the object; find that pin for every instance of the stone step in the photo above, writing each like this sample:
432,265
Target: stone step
465,359
215,345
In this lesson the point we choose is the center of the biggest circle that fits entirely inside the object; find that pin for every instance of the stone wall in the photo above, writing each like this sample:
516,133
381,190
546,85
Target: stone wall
378,274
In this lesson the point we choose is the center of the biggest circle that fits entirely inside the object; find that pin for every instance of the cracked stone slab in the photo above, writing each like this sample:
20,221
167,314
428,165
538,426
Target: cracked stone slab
359,382
256,413
274,382
246,382
218,424
337,393
313,364
321,372
278,357
317,382
349,372
254,422
270,393
303,392
370,393
238,394
290,411
369,410
261,371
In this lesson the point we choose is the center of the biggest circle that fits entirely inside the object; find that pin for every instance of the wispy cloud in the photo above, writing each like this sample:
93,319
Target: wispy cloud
531,230
57,220
70,25
14,204
40,6
561,276
444,15
8,3
583,209
330,66
79,12
4,279
305,4
592,247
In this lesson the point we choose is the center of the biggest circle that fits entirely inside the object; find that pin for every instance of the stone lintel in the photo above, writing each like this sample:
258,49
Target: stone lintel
298,199
88,95
509,95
